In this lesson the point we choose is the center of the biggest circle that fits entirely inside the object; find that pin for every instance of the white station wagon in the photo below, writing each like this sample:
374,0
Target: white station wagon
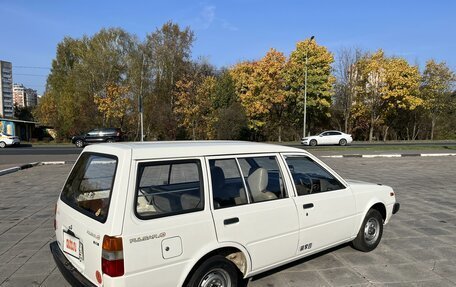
205,213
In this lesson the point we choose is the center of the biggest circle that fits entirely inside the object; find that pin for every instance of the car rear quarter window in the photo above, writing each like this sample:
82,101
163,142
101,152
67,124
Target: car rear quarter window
168,188
89,186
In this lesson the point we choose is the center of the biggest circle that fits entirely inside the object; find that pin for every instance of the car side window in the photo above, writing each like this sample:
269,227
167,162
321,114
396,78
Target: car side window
309,177
168,188
227,184
93,133
259,179
263,178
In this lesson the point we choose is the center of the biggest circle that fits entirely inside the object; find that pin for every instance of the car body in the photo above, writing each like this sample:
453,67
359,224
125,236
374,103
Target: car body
98,136
205,213
8,140
328,138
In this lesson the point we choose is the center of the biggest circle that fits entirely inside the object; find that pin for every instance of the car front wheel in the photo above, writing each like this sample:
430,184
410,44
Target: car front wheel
370,233
79,143
216,271
313,143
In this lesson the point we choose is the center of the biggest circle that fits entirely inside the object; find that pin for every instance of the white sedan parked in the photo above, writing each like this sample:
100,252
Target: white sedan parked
328,138
6,139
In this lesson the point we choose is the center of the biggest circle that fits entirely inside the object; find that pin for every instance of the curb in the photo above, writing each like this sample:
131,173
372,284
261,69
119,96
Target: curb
16,168
390,155
29,165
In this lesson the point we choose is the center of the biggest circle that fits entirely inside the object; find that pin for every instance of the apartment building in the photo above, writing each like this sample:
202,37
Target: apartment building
6,89
24,97
31,97
19,97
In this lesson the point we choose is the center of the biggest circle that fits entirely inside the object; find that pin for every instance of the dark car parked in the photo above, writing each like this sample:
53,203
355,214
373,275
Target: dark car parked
98,136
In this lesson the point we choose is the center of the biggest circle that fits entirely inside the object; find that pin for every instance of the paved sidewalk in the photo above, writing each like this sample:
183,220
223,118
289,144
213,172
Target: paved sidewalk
418,247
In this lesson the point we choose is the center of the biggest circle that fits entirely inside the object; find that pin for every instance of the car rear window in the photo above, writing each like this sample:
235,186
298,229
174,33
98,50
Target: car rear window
89,186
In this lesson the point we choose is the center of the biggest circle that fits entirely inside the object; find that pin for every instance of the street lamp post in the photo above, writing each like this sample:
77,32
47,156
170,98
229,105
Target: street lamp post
305,94
140,100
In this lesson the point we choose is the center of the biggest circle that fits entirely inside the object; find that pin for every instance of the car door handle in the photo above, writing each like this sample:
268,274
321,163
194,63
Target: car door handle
231,221
308,205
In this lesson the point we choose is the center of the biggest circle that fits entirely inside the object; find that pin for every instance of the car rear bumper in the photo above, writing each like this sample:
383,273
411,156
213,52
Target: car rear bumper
396,207
71,274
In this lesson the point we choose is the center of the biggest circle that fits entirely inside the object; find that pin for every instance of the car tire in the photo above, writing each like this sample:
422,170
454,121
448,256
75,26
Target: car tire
215,271
2,144
313,143
79,143
109,140
370,233
343,142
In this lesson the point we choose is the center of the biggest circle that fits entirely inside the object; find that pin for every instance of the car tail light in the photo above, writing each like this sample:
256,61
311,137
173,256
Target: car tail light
112,261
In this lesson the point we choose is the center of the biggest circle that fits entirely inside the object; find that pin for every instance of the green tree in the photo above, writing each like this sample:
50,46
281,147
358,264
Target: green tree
167,58
436,91
84,68
23,113
320,83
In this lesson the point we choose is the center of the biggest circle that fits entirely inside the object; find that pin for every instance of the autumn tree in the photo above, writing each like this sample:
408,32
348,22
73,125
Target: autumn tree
370,88
387,88
436,91
260,86
113,103
320,81
194,105
400,92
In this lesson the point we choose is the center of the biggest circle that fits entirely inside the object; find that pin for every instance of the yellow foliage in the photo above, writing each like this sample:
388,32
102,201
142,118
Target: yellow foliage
194,98
260,86
113,102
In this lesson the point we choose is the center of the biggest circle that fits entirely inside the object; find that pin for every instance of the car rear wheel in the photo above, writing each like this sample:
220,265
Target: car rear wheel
313,143
2,144
215,271
79,143
370,233
109,140
343,142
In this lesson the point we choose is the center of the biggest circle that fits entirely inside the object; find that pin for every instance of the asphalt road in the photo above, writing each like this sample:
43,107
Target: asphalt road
27,154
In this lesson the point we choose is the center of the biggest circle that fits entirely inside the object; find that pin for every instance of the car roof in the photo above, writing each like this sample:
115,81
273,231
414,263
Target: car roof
166,149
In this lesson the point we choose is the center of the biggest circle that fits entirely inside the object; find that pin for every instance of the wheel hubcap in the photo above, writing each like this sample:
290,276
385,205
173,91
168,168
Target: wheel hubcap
216,278
371,231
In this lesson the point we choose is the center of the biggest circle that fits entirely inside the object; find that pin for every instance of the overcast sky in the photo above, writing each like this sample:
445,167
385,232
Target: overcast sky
231,31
